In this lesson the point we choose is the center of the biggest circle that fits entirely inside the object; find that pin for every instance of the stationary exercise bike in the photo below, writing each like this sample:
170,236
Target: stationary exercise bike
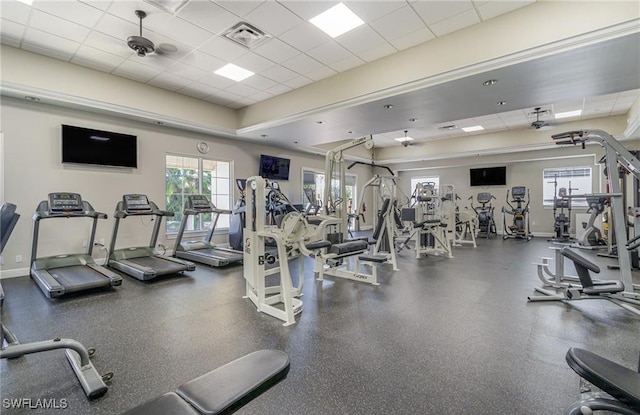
484,213
519,228
592,237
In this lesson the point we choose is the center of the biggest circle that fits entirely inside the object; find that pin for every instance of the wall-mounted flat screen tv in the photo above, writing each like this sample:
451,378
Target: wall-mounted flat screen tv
488,176
103,148
274,168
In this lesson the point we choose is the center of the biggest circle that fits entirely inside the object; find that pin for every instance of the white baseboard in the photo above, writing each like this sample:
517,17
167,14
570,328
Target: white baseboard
13,273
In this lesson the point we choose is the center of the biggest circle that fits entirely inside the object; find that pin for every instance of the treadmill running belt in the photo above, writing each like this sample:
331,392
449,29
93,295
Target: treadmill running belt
161,266
79,278
220,253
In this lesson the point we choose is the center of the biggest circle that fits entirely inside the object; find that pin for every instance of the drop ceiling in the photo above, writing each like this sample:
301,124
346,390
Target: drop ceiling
601,78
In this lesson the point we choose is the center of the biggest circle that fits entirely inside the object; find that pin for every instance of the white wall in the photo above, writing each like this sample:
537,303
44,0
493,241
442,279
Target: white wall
33,169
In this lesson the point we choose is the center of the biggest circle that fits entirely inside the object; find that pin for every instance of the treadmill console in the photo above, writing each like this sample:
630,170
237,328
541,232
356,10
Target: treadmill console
136,203
199,202
65,202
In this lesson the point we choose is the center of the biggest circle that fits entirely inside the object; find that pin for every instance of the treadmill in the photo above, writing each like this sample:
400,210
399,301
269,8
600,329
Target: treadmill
63,274
204,251
8,220
142,262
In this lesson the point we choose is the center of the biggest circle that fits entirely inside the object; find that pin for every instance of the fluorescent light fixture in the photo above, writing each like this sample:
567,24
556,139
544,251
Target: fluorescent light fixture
337,20
27,2
403,139
568,114
234,72
472,129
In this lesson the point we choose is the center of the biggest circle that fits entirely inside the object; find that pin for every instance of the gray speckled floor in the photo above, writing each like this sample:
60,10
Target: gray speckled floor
438,337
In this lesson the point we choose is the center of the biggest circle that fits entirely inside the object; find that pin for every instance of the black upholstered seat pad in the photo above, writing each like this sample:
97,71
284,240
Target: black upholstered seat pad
351,246
618,381
167,404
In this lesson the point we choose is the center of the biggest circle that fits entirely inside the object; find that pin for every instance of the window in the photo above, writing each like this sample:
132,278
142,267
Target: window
314,180
578,179
186,176
424,179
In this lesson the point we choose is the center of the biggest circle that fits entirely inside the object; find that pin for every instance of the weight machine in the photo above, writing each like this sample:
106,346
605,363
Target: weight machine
520,227
616,155
465,226
484,214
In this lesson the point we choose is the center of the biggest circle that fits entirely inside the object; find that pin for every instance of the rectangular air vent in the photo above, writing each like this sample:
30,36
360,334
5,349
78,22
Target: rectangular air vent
246,35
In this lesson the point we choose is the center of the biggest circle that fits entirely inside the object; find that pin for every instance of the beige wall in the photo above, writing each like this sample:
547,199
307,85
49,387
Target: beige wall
33,169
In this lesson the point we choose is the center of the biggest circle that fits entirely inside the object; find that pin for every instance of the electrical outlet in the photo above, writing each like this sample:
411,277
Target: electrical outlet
18,258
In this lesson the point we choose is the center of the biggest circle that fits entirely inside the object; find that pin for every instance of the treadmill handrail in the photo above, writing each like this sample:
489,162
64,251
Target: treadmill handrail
155,211
43,212
209,210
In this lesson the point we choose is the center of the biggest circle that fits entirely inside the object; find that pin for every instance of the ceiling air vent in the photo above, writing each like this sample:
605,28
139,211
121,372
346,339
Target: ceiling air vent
246,35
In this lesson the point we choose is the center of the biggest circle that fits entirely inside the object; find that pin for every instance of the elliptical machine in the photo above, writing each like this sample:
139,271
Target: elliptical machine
484,213
562,221
592,237
520,226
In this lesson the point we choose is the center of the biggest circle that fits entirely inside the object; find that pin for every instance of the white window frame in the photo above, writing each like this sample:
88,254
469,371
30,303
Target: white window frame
321,172
581,178
423,179
222,225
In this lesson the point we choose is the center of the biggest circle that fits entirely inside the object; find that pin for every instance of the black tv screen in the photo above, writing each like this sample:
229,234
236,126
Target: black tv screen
274,168
488,176
87,146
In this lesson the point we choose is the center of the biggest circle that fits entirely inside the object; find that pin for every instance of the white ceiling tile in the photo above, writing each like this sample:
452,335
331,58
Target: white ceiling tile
187,71
12,30
412,39
491,9
620,108
203,61
276,50
240,8
298,82
186,32
155,61
436,11
223,48
399,23
155,20
136,71
373,10
108,44
98,4
601,98
57,26
217,81
564,106
320,73
305,37
242,90
308,9
253,62
73,11
118,28
9,41
169,81
97,65
259,82
279,89
347,63
596,112
99,57
15,11
56,53
279,74
378,52
261,96
273,18
227,95
457,22
208,16
599,104
361,39
198,90
39,39
633,93
329,53
302,64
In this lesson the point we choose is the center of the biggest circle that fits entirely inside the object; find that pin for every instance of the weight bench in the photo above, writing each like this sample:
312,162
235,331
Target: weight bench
621,383
223,390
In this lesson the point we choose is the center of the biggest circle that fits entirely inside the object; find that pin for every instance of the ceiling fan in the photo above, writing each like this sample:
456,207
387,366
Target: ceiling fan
539,124
141,44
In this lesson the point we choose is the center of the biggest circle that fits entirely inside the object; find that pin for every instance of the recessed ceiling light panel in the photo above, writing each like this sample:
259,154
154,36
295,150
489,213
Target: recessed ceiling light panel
472,128
337,20
403,139
568,114
234,72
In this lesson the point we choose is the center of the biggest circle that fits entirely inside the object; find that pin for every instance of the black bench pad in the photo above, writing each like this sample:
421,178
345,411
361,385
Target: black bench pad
348,247
167,404
373,258
223,390
618,381
580,260
317,245
236,383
